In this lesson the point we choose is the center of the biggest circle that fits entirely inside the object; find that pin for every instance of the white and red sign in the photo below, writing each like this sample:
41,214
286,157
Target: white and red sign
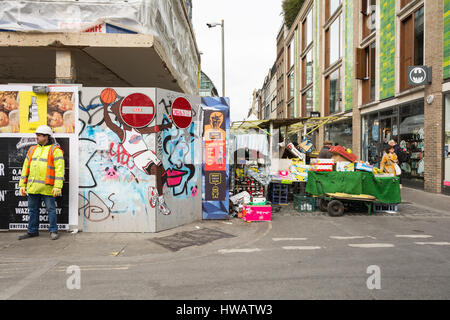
100,28
137,110
181,113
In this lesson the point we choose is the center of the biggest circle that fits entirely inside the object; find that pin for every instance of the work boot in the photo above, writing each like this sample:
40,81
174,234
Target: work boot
54,235
28,235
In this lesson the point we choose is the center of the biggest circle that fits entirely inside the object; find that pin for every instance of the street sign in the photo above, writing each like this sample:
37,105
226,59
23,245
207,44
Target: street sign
181,113
137,110
419,75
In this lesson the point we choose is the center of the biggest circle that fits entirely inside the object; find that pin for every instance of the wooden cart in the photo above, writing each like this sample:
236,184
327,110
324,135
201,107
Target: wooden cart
335,203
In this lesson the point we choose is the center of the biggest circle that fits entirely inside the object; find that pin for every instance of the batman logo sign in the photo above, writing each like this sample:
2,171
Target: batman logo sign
417,75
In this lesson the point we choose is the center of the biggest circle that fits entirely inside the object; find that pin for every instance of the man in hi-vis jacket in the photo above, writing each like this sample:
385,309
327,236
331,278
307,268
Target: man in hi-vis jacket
42,179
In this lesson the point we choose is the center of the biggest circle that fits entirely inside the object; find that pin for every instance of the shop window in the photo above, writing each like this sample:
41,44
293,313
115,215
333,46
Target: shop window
447,143
332,93
333,42
411,44
307,30
411,136
330,7
307,68
340,133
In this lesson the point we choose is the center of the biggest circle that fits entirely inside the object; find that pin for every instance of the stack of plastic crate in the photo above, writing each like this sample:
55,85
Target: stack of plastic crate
304,203
280,193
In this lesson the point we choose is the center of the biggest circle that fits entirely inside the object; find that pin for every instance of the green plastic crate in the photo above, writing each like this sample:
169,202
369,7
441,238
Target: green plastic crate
304,203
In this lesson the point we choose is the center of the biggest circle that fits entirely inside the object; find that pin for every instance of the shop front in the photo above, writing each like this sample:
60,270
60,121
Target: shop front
446,186
405,125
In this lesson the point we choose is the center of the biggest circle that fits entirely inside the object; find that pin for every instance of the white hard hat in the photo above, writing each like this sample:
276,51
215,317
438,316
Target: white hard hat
45,130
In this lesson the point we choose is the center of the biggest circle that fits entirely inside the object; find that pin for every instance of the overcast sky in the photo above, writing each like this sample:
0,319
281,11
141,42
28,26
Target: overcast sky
251,27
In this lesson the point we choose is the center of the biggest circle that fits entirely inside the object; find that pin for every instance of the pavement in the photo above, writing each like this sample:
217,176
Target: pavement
233,259
85,244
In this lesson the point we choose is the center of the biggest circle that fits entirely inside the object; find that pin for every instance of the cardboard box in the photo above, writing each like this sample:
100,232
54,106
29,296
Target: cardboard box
258,213
322,167
242,197
345,166
322,161
362,166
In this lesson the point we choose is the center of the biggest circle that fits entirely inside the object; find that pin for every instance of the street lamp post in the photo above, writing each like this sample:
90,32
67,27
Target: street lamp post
212,25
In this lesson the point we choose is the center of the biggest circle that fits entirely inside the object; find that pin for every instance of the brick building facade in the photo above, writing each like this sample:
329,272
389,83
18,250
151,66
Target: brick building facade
350,59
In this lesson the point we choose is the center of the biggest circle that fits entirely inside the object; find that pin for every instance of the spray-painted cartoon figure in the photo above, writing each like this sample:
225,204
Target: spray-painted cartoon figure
133,142
179,159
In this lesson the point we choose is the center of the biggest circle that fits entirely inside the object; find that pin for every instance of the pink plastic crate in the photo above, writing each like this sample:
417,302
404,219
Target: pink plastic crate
257,213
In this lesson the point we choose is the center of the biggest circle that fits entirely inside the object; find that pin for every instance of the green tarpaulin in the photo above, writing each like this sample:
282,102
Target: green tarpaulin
385,189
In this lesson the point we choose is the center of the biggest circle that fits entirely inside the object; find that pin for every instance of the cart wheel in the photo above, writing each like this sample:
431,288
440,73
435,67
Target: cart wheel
335,208
323,205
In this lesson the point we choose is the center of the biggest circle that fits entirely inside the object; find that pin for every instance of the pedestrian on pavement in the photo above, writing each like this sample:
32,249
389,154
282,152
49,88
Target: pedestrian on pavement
325,151
401,154
389,160
42,180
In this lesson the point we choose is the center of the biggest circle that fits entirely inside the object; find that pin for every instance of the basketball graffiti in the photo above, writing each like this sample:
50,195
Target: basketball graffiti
130,131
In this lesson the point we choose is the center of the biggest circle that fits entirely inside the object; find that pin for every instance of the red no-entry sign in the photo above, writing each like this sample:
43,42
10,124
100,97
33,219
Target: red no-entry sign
181,113
137,110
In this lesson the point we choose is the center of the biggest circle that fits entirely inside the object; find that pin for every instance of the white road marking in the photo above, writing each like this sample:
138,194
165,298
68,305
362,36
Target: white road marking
422,236
239,250
98,269
350,237
31,277
289,239
434,243
372,245
301,248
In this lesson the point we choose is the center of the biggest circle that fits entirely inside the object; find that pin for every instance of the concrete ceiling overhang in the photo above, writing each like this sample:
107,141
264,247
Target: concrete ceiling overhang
131,60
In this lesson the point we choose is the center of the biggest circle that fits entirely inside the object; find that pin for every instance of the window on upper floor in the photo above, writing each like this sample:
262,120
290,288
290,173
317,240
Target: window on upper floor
307,68
291,85
368,11
366,70
333,42
290,55
332,92
411,44
307,30
331,7
307,102
403,3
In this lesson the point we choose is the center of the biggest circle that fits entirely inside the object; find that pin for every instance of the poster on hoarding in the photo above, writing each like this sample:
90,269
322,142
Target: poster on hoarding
32,111
22,110
9,111
14,213
215,157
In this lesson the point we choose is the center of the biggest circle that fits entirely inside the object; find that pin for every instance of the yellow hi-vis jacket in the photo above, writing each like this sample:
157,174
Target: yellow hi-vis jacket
37,172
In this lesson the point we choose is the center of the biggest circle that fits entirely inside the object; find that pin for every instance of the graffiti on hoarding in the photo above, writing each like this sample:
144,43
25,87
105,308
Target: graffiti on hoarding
95,209
178,159
122,156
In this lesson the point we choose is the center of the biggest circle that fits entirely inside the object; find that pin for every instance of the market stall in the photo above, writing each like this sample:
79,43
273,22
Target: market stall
342,182
267,162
